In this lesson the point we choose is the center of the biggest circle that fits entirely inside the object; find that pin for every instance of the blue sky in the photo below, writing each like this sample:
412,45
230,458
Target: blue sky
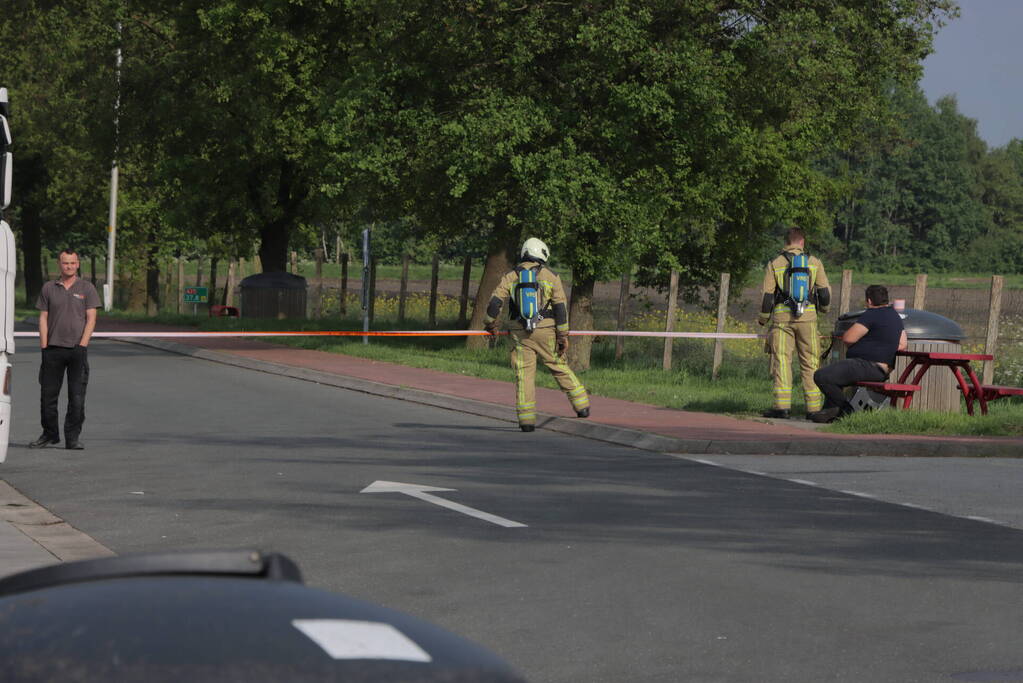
979,58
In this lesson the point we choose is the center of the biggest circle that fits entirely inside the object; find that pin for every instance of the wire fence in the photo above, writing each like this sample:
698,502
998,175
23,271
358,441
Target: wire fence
644,309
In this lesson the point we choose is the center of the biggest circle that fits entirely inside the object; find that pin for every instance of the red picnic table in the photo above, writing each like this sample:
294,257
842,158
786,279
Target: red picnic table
922,361
958,363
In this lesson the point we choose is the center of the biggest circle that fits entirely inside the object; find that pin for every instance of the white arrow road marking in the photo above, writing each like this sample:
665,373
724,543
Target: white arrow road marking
419,491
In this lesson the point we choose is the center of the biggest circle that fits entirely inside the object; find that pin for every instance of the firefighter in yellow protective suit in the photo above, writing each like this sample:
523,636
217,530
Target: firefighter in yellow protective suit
548,340
789,329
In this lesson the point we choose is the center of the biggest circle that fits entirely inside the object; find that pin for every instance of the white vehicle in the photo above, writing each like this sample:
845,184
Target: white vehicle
8,262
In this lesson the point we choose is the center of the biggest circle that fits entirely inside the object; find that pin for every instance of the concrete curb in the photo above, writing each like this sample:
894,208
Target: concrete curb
609,433
56,536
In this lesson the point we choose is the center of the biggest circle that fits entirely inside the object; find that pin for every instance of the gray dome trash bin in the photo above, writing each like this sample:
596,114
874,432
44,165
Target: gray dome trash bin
274,295
926,331
216,616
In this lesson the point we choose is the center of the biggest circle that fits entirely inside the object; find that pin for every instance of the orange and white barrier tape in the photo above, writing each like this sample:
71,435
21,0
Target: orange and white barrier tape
400,333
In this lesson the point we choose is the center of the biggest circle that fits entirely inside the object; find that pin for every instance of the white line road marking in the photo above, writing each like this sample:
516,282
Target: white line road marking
986,520
348,639
859,494
419,491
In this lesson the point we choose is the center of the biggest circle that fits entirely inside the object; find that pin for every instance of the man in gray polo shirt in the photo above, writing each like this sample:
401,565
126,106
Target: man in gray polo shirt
67,319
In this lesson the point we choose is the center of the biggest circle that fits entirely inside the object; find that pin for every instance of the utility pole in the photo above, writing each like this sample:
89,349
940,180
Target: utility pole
108,287
367,292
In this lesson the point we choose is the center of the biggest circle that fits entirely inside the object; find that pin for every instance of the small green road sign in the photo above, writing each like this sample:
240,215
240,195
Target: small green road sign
197,295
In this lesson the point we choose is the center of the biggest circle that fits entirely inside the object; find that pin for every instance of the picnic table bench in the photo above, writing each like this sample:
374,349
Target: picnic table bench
989,392
958,363
892,390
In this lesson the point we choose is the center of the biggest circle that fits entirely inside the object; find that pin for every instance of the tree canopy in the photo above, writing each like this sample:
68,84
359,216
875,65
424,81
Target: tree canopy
658,133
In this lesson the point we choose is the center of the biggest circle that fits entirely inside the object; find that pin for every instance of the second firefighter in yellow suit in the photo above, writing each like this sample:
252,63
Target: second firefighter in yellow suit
548,341
791,331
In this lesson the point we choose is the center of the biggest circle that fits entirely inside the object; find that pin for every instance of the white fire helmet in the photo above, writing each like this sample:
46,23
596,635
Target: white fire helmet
536,250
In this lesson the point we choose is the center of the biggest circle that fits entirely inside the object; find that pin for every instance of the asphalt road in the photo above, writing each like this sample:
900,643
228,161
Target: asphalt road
632,566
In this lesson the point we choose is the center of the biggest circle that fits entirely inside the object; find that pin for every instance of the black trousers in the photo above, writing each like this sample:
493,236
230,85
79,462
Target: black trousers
834,377
58,360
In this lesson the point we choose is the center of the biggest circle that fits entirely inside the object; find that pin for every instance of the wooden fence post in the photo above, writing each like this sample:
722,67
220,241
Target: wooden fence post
180,283
920,292
214,267
343,294
623,300
669,323
434,277
843,304
719,344
991,343
232,278
165,282
294,263
372,286
403,287
463,299
318,310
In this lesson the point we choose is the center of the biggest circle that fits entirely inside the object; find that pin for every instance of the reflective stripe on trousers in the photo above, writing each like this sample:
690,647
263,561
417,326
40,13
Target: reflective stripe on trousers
542,344
805,339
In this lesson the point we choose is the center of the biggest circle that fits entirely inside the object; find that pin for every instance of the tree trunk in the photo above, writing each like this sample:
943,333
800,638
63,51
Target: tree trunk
580,316
403,288
31,246
501,251
342,296
273,247
434,271
318,304
179,290
214,262
228,299
623,303
463,299
372,288
132,280
152,281
274,235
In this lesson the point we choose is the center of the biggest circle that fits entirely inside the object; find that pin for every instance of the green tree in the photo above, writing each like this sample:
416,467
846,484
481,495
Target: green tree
237,93
616,130
58,66
918,194
1000,247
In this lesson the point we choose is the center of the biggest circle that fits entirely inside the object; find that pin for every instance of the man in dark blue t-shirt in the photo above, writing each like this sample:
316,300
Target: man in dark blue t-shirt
873,341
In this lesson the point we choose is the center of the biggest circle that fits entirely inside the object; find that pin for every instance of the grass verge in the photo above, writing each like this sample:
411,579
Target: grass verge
1003,419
